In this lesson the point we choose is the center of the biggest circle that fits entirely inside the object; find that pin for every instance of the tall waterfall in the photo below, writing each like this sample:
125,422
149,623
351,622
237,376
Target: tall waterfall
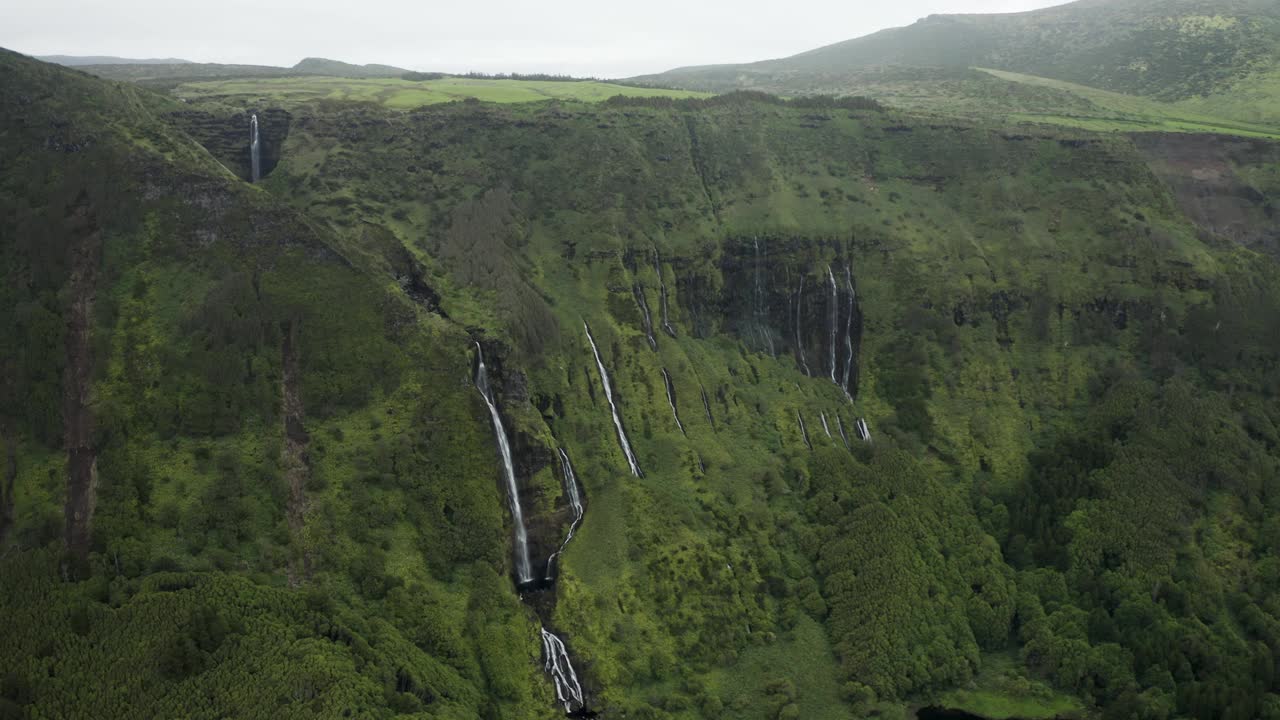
848,332
613,406
662,286
803,430
804,364
524,572
840,425
759,309
825,427
255,162
559,667
671,400
706,405
835,319
575,504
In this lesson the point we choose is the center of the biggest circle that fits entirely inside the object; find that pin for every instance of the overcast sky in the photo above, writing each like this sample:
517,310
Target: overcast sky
579,37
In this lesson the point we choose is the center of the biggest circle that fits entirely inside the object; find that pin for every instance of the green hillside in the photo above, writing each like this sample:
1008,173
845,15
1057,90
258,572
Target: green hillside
1168,49
1219,56
249,471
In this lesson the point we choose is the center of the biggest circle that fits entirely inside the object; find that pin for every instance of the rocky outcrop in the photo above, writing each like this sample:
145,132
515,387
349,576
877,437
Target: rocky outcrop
84,255
1223,183
782,297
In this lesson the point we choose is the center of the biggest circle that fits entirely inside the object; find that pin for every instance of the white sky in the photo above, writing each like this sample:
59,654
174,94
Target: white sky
576,37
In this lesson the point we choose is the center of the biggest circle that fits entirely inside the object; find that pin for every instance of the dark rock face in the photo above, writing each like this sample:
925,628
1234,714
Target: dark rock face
776,294
226,137
1216,182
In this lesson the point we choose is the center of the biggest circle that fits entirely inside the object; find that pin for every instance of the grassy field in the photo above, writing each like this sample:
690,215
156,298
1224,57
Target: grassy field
1255,99
1129,113
1002,690
404,94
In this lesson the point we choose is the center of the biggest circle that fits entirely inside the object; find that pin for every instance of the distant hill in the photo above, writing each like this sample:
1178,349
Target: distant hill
78,60
168,73
1165,49
182,72
337,68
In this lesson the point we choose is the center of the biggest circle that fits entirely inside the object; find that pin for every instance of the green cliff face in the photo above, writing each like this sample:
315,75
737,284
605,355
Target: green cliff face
296,509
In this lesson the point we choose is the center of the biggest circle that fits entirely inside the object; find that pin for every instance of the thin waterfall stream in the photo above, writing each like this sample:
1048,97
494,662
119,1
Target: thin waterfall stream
804,364
671,400
803,430
575,505
556,661
524,570
613,406
559,667
848,332
662,287
638,290
835,319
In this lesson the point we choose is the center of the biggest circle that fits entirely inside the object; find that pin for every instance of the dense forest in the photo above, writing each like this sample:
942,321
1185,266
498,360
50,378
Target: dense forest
813,407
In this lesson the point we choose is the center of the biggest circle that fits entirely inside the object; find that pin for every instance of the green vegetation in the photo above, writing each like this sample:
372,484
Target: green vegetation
407,93
1126,65
1110,111
1002,689
1166,49
1064,342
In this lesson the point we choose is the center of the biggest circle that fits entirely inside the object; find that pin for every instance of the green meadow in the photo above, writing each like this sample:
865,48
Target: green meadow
405,94
1113,111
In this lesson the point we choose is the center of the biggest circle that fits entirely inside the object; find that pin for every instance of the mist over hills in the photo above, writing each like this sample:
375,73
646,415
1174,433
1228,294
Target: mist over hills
77,60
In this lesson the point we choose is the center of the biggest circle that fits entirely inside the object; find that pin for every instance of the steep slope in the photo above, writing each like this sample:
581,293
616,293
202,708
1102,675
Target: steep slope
1017,296
856,400
178,394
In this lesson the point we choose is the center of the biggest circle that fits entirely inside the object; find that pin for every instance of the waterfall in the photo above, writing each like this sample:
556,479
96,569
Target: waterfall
662,287
706,405
638,290
524,573
825,428
560,668
864,432
840,426
254,161
848,333
835,319
804,364
803,431
575,504
671,400
760,309
613,406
